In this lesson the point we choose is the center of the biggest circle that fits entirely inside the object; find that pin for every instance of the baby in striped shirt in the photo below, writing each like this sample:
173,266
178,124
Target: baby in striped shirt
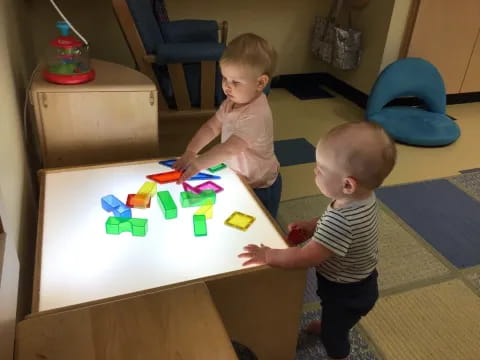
352,161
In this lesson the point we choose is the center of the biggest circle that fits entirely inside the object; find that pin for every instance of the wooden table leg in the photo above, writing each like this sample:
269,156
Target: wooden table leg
262,310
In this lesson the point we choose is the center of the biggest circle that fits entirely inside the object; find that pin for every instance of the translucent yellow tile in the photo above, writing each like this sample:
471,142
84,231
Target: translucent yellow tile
240,220
148,188
206,210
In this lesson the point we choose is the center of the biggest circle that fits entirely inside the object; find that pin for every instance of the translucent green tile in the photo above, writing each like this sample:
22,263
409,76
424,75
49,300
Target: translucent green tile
189,199
217,167
199,225
139,226
117,225
166,203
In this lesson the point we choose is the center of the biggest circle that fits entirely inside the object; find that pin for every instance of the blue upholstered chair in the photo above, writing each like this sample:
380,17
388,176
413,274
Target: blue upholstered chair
180,56
412,125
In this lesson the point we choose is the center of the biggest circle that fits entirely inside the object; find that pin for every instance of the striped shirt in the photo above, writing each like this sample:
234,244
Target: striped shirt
351,233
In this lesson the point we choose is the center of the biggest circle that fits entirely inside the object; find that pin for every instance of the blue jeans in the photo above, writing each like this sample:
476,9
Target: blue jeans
270,196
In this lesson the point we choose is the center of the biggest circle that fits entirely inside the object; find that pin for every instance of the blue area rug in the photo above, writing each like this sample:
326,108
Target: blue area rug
294,151
444,215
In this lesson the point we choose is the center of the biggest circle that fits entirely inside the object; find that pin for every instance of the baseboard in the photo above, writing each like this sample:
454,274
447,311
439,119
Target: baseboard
358,97
340,87
463,98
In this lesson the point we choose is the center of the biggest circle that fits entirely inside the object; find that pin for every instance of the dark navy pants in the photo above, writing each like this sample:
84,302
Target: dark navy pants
342,307
270,196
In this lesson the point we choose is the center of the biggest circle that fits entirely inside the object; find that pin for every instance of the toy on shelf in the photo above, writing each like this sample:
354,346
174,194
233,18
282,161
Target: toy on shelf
111,203
68,60
166,203
199,225
117,225
206,210
240,220
188,199
138,201
217,167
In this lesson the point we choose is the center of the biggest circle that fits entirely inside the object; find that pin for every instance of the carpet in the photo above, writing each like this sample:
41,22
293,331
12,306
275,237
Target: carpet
294,151
468,182
473,277
428,308
466,171
403,257
309,347
440,321
442,214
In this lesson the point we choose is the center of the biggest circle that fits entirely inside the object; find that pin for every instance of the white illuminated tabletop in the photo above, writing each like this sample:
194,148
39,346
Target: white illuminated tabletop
78,262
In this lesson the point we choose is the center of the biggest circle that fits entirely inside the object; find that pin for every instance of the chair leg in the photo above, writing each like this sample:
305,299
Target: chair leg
179,84
208,72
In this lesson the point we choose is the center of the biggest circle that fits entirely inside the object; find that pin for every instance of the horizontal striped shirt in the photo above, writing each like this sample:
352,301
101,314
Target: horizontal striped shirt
351,233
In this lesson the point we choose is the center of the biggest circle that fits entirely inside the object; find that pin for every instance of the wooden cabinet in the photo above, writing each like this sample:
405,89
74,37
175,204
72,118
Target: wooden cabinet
112,118
471,83
9,276
445,33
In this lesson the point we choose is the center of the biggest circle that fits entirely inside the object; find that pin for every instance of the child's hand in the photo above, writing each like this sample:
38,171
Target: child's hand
296,237
192,169
255,254
184,161
308,227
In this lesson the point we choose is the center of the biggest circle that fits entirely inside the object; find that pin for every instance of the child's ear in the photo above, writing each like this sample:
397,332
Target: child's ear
349,185
262,81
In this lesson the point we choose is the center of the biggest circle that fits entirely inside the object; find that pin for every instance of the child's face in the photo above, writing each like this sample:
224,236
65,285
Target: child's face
328,177
240,84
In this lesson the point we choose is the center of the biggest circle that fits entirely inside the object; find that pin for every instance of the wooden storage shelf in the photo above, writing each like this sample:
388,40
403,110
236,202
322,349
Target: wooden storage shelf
112,118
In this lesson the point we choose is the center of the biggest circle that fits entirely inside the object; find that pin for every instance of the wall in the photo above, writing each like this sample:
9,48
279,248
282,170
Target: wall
17,207
94,19
286,24
396,31
374,22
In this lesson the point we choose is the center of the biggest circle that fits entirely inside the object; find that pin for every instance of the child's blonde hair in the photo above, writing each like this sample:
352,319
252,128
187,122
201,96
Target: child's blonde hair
253,51
367,152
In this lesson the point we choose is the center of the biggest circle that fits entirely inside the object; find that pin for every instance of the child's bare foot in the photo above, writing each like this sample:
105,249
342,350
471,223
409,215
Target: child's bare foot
314,327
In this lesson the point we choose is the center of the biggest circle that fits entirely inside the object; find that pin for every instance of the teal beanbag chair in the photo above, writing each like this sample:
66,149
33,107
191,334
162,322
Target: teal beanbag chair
406,124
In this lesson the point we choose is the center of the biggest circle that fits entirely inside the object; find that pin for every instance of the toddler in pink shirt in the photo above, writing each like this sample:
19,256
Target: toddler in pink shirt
244,121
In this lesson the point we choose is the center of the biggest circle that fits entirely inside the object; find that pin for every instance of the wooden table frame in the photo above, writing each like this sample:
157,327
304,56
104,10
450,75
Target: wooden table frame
260,306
